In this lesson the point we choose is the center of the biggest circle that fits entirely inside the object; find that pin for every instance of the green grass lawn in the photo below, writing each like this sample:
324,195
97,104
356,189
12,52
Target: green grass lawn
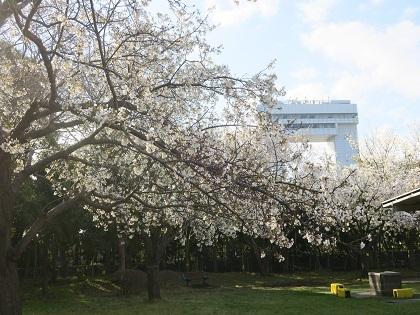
230,293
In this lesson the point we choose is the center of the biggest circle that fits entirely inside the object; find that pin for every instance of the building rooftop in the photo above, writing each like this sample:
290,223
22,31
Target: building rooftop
409,201
314,107
296,101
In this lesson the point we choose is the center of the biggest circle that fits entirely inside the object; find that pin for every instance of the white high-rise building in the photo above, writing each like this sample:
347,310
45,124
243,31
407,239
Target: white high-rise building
334,122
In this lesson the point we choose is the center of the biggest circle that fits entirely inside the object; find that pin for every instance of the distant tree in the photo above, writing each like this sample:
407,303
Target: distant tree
352,214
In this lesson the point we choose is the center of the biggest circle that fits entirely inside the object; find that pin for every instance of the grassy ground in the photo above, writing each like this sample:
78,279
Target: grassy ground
229,293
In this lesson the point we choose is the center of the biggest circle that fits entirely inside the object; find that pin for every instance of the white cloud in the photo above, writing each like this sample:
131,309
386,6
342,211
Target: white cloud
227,13
316,11
371,58
305,73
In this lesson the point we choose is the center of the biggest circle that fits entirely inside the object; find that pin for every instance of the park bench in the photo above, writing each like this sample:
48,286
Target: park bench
189,277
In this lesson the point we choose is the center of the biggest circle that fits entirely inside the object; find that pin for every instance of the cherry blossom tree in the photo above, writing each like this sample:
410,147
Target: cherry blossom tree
232,179
85,76
352,214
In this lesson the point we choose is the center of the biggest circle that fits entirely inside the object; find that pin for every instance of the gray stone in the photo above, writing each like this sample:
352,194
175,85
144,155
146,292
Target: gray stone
382,283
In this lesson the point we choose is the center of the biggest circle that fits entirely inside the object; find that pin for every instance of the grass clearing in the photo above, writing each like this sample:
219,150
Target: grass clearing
230,293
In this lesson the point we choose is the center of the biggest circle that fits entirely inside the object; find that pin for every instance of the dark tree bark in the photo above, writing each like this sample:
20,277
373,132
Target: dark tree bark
54,254
364,264
108,257
215,257
44,268
242,257
156,244
411,245
63,262
153,260
121,247
6,10
35,267
328,262
187,252
153,283
10,303
28,268
122,267
262,262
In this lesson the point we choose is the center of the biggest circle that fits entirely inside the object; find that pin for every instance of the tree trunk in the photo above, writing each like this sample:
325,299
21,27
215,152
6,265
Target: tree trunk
9,254
317,260
108,261
328,262
10,303
187,252
28,267
153,249
9,281
215,258
121,246
153,284
242,257
35,269
122,267
364,265
44,268
63,262
411,245
54,255
262,262
156,244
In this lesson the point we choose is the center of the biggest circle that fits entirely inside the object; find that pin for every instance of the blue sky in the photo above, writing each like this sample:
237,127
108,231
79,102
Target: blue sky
367,51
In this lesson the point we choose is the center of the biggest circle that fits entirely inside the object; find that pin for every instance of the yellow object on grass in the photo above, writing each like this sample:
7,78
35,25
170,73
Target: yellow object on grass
343,292
335,286
403,293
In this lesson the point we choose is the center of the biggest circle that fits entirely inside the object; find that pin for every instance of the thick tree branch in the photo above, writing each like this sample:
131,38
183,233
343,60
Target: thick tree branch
25,28
102,54
39,133
39,224
55,156
6,8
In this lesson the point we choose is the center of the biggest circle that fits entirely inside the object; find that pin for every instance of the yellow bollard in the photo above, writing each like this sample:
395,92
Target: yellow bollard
343,293
335,286
403,293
